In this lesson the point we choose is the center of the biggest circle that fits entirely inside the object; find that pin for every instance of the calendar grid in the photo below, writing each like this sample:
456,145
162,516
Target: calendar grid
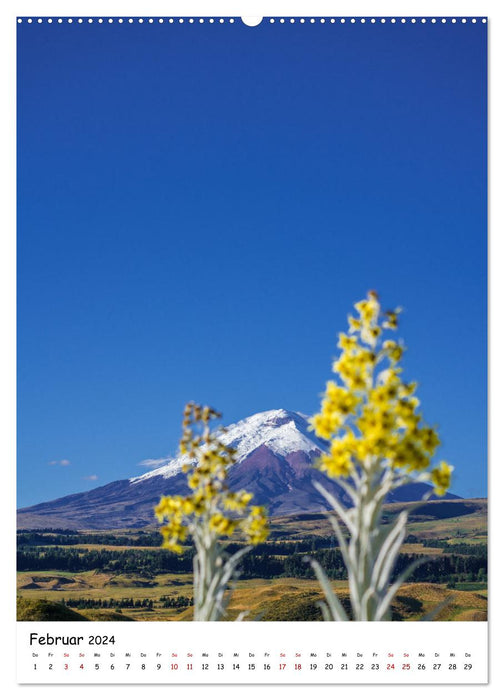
253,652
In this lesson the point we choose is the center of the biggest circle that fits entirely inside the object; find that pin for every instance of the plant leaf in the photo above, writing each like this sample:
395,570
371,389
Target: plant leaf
435,611
387,599
336,506
336,610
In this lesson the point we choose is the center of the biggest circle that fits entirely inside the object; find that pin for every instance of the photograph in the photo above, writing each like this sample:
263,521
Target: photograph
251,319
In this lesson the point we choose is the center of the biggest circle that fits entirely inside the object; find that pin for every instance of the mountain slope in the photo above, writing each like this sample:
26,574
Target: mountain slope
275,456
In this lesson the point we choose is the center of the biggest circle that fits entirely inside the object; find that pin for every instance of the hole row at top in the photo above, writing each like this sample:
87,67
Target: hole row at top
272,20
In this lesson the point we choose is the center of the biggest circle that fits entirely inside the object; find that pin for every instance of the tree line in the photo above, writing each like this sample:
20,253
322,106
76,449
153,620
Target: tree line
264,563
69,537
463,548
154,539
120,603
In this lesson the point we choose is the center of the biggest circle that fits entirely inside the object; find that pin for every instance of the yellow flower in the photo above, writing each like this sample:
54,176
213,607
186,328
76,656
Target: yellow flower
364,359
368,309
357,382
210,502
354,324
405,410
256,525
194,480
224,526
382,395
173,547
243,498
430,440
338,400
336,465
187,506
407,389
380,412
441,478
324,425
346,342
392,318
393,350
237,501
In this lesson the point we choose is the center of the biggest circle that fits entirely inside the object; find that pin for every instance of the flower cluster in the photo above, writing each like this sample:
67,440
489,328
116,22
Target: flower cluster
372,415
211,507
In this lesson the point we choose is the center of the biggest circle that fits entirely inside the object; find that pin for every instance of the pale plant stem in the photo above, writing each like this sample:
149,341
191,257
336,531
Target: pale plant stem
370,548
386,445
211,575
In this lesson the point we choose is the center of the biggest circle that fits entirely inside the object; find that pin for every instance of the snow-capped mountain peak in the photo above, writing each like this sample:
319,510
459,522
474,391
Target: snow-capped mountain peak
276,460
283,432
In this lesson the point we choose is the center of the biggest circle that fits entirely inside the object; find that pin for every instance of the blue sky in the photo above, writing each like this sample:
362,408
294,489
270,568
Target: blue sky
200,206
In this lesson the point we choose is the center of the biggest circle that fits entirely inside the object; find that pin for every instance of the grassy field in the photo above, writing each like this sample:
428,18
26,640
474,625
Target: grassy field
455,523
459,521
265,599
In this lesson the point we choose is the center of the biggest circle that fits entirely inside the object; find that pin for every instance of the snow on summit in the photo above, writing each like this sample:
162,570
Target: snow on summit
283,432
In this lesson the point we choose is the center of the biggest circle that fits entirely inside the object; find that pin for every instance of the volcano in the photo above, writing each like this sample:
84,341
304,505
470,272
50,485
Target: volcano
275,456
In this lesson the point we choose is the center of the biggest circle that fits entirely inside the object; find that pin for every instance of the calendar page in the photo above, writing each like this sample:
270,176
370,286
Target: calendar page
252,348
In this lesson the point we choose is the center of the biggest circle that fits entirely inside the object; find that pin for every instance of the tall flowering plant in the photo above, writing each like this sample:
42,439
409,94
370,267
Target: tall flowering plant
209,514
378,442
